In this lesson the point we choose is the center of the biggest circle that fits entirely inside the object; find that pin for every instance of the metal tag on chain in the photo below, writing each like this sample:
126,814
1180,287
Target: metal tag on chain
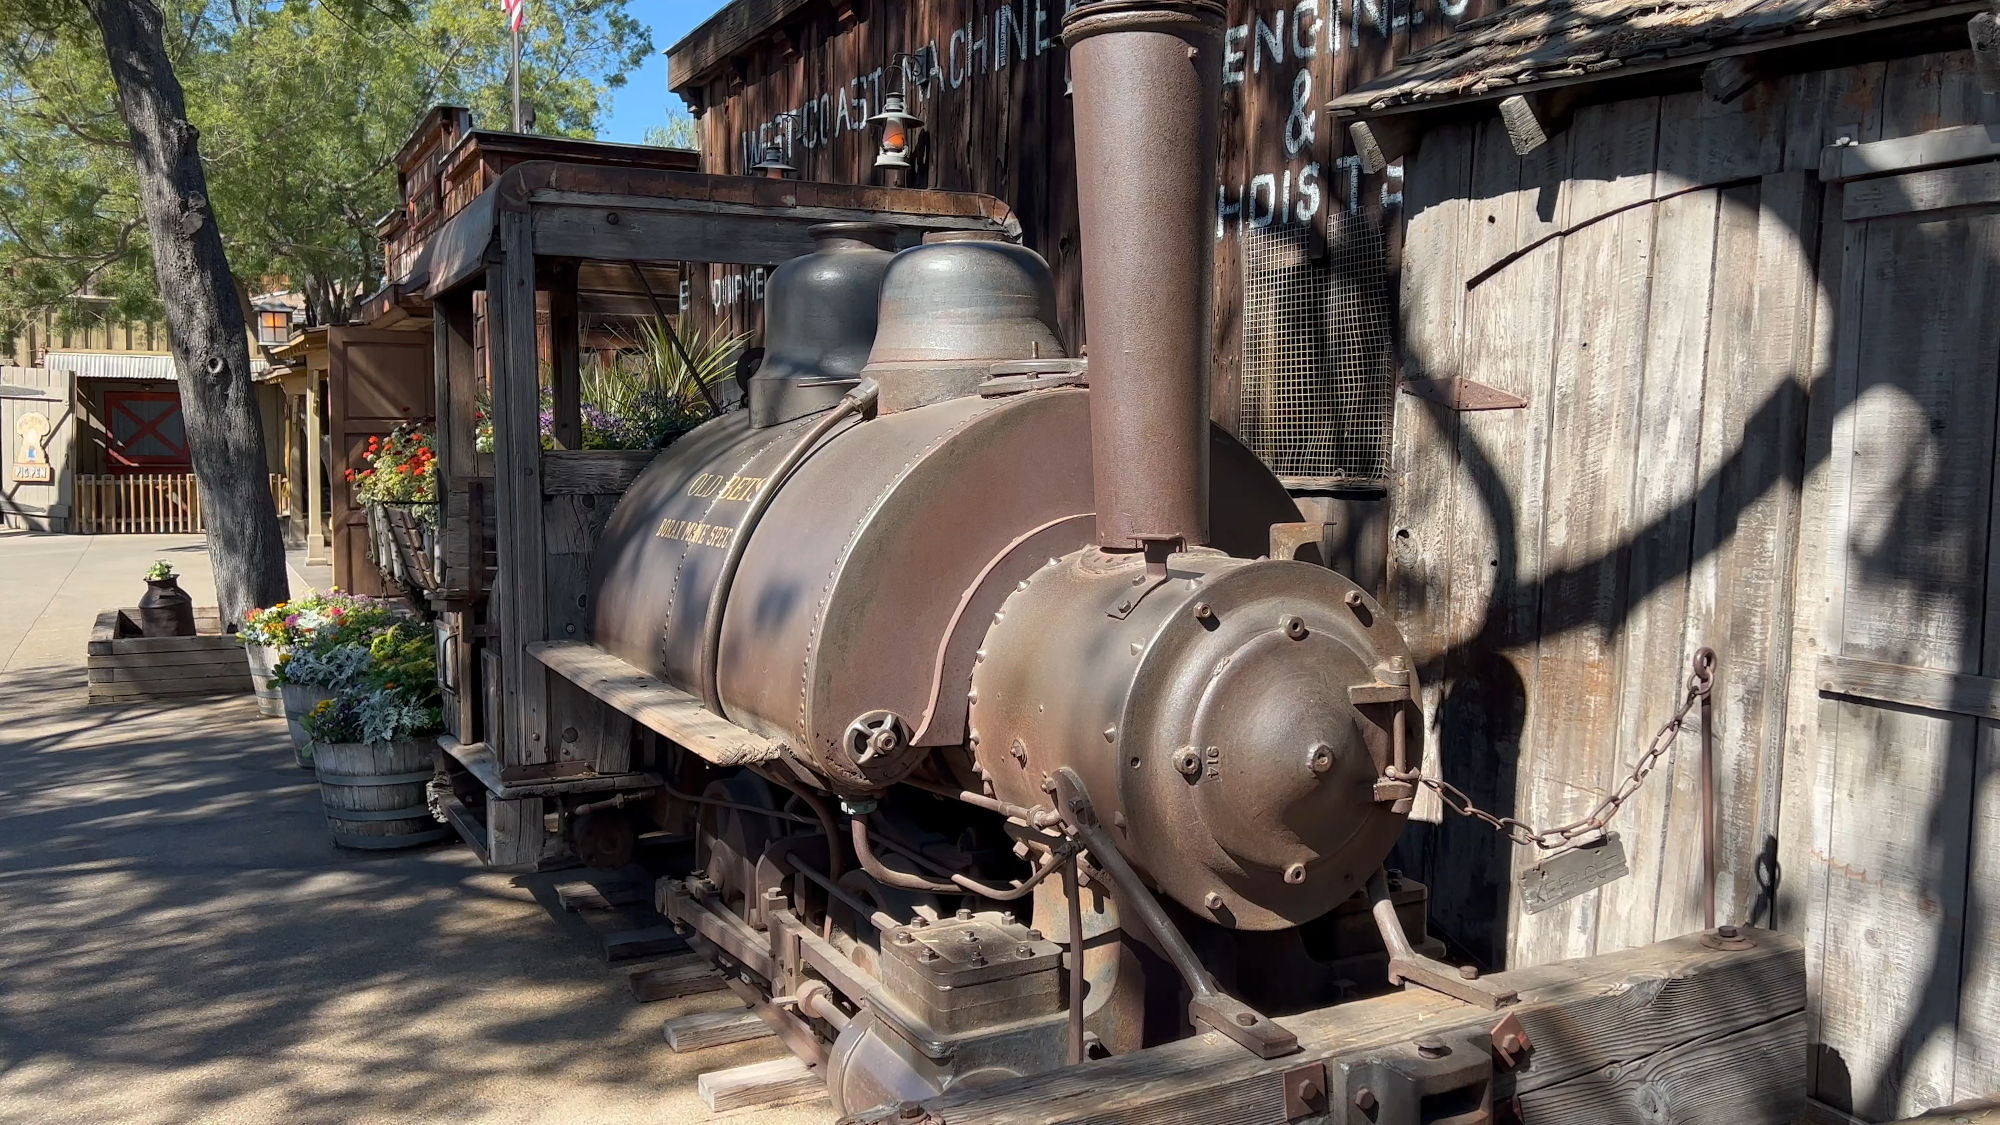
1567,874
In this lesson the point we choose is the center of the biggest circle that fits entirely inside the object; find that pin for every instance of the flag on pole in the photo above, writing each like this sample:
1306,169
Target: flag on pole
515,10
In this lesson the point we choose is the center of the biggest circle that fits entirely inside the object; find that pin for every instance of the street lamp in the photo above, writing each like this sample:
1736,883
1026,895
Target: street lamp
896,128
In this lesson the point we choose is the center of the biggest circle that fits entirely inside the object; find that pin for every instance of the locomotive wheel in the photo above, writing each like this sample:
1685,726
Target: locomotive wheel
728,842
604,840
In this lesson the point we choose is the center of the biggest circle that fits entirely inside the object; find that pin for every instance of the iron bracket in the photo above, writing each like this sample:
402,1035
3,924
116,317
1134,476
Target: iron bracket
1458,393
1431,1081
1211,1007
1408,967
1510,1041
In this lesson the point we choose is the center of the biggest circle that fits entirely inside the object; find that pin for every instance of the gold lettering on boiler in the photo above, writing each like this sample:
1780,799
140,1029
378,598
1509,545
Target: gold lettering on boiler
724,488
695,532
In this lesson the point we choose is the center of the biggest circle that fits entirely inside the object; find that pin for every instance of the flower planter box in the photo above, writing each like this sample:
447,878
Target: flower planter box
300,699
263,660
377,793
123,666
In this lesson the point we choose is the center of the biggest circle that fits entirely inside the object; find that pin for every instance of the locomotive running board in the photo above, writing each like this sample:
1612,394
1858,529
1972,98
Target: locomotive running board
654,704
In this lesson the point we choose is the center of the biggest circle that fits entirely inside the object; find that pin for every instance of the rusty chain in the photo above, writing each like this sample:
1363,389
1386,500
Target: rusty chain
1700,681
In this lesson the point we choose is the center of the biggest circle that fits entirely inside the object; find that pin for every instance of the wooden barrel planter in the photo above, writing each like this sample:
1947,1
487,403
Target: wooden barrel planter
300,699
375,793
263,661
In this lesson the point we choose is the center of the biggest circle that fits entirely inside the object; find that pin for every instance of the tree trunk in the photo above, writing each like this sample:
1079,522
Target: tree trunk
204,318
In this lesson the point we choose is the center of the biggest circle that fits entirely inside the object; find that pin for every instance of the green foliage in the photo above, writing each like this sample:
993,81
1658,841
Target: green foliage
677,132
301,106
671,383
160,571
403,657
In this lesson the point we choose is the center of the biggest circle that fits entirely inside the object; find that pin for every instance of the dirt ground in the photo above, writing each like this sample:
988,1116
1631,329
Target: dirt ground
179,942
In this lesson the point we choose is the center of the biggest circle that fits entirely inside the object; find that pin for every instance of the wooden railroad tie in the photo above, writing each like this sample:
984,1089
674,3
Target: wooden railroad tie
689,975
759,1084
702,1030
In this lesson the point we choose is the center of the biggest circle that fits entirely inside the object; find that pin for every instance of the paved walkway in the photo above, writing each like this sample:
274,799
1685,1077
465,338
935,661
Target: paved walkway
180,943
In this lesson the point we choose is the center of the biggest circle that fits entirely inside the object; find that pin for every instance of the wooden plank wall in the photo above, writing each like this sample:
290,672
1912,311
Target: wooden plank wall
44,507
1702,462
46,331
998,121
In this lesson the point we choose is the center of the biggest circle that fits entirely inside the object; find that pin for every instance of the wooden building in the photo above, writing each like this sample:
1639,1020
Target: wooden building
1729,265
1734,266
1301,326
365,378
117,450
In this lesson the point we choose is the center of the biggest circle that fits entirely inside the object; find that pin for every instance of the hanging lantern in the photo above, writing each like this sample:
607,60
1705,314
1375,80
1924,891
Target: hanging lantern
771,163
775,162
895,127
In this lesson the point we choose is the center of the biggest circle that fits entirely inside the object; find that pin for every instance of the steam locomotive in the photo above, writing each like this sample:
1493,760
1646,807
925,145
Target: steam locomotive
1077,757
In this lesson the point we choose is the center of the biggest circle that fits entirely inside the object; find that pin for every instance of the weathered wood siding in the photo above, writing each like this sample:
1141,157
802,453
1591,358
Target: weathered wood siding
51,394
1761,417
997,120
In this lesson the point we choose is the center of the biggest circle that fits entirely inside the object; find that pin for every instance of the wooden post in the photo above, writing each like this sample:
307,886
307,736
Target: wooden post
315,471
515,827
456,391
566,374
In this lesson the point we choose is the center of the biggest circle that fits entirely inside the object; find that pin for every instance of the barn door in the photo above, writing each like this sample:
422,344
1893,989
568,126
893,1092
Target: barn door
1901,893
376,380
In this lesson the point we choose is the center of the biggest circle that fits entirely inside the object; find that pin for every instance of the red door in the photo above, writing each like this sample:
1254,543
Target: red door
145,431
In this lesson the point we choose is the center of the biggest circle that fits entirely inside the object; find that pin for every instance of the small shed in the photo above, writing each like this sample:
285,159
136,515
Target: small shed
1697,316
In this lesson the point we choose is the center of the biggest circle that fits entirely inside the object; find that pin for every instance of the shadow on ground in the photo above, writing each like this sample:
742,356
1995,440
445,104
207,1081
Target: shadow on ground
180,942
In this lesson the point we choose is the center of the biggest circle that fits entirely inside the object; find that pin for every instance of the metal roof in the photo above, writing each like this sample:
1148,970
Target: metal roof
110,365
123,365
1540,43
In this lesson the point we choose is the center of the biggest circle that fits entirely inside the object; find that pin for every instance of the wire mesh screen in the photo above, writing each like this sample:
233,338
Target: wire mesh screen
1318,385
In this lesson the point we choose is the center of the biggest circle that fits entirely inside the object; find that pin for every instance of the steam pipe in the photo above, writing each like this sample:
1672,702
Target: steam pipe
1147,76
854,402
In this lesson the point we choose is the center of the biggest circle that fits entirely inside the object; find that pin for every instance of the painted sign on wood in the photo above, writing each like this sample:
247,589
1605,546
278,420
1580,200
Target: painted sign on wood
990,82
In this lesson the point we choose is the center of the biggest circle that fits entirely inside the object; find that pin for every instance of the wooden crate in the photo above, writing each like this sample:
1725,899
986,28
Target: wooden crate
123,666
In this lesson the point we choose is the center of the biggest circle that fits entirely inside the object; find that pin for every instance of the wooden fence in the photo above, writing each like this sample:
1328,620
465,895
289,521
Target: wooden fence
147,504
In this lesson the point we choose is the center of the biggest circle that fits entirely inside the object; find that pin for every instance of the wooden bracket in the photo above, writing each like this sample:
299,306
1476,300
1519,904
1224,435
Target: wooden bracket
1984,31
1462,394
1725,79
1383,141
1531,119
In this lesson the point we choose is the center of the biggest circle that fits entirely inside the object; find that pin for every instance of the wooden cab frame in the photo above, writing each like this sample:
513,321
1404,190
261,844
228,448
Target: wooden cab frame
520,523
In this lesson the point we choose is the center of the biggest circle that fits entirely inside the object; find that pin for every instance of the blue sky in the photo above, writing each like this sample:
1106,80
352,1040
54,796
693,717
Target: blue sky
642,102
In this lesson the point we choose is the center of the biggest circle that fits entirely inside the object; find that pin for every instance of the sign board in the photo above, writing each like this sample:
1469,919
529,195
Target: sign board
32,466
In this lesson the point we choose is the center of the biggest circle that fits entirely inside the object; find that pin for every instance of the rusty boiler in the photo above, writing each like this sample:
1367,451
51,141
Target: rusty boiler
1018,621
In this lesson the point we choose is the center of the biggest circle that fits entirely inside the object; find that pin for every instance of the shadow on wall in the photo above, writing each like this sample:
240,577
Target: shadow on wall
1918,540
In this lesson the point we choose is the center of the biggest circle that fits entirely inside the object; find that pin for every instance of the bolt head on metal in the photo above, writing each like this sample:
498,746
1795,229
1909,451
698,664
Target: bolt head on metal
1212,900
1295,874
964,914
927,954
1468,972
1353,600
1319,757
905,937
1025,951
1726,931
1431,1047
1203,611
1364,1099
1294,626
1034,935
1188,760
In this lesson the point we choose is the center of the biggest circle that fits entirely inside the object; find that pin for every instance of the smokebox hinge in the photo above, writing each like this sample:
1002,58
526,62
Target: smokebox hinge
1462,394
